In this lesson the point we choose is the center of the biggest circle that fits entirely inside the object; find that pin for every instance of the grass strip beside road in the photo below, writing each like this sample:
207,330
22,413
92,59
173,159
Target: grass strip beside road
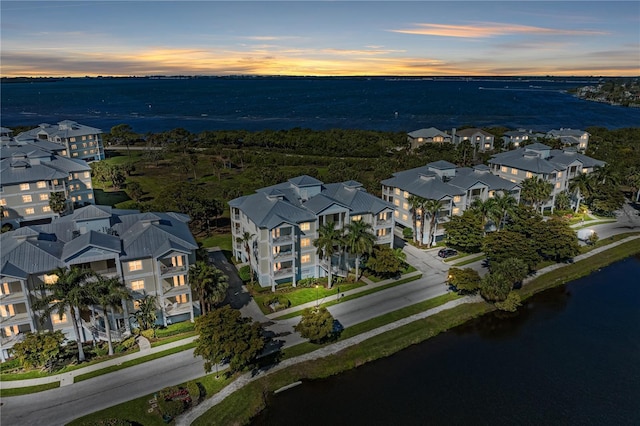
132,362
28,389
354,296
470,259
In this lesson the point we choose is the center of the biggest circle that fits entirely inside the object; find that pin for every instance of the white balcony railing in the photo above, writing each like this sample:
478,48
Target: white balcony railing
283,272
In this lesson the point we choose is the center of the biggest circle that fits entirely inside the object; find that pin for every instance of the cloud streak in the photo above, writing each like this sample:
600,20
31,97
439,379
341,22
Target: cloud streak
487,30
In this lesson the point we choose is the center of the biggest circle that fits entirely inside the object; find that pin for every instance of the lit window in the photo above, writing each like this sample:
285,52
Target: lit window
90,137
41,184
514,171
503,169
405,206
177,261
88,185
46,209
305,258
135,265
87,174
3,202
406,194
75,154
30,210
418,223
492,194
397,191
84,144
64,152
76,175
529,175
382,232
178,281
305,242
84,138
24,187
559,174
137,285
305,226
7,311
396,202
181,298
396,213
405,217
5,213
456,199
456,210
90,196
356,218
558,185
57,319
44,197
73,199
50,278
72,139
74,146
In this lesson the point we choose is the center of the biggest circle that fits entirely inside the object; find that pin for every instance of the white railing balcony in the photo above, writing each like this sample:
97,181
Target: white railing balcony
178,308
13,297
9,341
383,222
166,270
282,272
282,239
283,255
14,319
175,290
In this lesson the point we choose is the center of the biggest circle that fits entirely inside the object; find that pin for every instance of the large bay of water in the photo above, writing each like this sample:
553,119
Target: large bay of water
571,355
315,103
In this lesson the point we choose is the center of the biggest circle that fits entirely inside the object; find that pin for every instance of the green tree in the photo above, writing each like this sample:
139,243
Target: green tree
494,287
328,239
209,283
359,240
109,294
135,191
505,204
465,280
465,232
67,293
486,209
535,191
122,133
116,175
147,312
384,262
606,199
247,240
500,246
316,324
563,202
558,240
430,210
225,335
580,186
514,270
39,349
510,304
57,202
593,238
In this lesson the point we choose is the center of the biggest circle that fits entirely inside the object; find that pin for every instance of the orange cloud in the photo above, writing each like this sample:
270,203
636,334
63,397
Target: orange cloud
487,29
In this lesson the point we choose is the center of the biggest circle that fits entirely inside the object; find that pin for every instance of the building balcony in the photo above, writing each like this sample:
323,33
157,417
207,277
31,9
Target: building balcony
283,255
11,298
169,270
178,308
14,319
381,223
8,342
283,272
170,291
283,239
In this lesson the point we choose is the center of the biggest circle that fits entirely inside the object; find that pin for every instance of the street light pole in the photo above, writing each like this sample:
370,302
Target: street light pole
317,296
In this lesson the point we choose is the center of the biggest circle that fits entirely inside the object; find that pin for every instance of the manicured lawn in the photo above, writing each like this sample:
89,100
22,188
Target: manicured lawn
28,389
220,240
300,296
470,259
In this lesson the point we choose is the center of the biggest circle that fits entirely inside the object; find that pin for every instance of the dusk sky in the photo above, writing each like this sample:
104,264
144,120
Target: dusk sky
320,38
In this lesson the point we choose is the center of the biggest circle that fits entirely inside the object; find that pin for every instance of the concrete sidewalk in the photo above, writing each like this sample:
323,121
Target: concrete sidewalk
370,285
66,379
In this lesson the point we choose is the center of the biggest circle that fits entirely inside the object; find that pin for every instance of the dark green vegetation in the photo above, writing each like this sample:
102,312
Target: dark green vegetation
316,324
622,91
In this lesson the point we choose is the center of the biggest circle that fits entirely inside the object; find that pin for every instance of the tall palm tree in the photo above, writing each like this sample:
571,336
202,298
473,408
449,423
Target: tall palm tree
415,202
581,186
68,293
147,312
209,283
536,191
109,294
328,238
504,205
246,239
359,240
486,209
605,173
430,209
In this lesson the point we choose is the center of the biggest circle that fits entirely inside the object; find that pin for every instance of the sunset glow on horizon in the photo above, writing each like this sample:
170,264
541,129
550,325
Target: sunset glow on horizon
145,38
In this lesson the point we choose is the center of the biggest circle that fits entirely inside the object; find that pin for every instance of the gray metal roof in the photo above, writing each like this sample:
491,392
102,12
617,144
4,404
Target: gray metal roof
91,212
427,133
472,131
466,177
441,165
524,159
557,133
88,240
277,204
64,129
305,180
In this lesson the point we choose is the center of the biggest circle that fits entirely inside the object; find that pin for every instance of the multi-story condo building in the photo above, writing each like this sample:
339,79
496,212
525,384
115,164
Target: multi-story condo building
578,139
28,175
283,222
455,187
480,139
515,138
555,166
79,141
417,138
149,252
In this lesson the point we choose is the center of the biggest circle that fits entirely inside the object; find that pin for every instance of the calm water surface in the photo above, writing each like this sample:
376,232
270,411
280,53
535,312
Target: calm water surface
570,356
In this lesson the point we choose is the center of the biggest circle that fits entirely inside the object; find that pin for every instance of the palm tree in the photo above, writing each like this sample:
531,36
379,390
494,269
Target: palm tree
67,293
109,294
414,207
536,191
580,186
209,283
246,239
430,209
605,173
359,240
147,313
486,209
504,205
328,238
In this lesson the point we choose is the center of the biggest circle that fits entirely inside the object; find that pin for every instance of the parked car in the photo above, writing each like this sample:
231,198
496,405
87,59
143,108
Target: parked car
447,252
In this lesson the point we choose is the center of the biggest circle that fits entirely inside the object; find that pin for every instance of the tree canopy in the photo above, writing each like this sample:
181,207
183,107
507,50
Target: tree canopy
316,324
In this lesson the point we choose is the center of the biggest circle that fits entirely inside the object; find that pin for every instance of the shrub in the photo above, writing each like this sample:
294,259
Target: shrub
173,329
174,400
279,303
307,283
510,304
149,333
194,391
407,233
245,273
125,345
